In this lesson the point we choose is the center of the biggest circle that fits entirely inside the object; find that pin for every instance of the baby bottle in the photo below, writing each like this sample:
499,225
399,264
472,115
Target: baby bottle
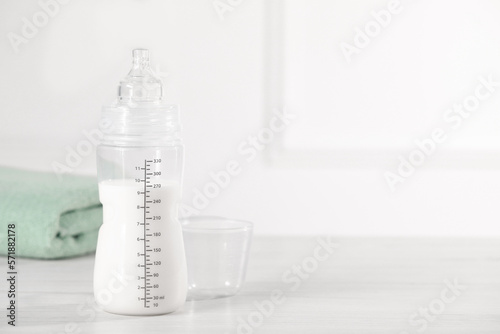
140,266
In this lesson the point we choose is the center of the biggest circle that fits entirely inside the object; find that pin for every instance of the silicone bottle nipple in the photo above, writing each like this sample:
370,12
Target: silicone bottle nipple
140,85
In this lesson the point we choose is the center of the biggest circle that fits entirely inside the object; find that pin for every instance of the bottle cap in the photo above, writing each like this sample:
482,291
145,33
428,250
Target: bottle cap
141,116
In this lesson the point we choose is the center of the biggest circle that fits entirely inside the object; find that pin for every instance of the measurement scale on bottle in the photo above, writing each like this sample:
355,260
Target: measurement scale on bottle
150,258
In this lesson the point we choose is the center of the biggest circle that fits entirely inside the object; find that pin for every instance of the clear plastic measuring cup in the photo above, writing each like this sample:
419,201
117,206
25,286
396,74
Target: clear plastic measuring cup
217,252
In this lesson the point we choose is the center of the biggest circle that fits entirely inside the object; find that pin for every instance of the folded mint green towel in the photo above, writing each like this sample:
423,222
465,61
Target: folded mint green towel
54,218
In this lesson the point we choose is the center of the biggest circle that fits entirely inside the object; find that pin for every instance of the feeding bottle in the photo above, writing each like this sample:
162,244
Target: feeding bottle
140,266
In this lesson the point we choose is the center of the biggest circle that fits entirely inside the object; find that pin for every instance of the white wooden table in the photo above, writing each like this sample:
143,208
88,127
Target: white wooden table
367,285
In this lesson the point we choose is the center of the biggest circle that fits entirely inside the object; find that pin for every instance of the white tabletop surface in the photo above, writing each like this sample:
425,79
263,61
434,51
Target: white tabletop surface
367,285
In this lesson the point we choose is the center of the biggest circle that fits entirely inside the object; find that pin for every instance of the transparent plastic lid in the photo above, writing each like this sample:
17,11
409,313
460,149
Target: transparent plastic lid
141,116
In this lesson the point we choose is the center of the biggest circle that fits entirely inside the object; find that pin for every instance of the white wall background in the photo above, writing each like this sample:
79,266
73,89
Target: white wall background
325,174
